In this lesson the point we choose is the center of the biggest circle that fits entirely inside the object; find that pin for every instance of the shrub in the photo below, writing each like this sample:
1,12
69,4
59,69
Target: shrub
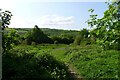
21,64
33,43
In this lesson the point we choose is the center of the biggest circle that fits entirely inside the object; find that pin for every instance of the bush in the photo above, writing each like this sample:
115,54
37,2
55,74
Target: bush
55,42
92,61
20,64
77,40
33,43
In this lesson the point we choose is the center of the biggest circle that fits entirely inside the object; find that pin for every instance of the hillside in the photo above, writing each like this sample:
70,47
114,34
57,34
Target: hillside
50,32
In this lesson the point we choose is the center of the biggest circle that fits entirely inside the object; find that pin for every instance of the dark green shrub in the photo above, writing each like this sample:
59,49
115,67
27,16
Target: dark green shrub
21,65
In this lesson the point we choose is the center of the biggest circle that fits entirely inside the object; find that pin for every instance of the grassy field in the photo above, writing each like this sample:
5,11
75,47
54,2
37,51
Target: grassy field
89,61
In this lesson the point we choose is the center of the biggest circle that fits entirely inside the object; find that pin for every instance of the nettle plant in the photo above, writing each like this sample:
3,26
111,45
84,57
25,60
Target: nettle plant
107,29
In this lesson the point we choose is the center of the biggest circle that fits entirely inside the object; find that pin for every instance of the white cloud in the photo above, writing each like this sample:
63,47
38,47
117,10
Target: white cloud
47,21
56,20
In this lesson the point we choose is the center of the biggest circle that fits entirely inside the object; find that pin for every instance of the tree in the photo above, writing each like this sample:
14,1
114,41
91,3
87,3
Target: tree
83,36
5,18
107,28
28,38
77,40
37,35
84,33
10,39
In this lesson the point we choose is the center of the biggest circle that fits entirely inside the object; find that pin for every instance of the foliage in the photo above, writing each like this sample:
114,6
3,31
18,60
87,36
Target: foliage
91,61
28,38
51,32
107,28
9,40
77,40
62,39
5,18
36,35
60,32
82,37
61,36
43,61
96,64
22,64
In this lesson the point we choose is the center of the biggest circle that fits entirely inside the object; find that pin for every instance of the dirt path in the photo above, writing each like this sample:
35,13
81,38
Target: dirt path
73,73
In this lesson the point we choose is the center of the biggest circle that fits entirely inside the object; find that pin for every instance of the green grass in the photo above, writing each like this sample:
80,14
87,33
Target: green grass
90,61
30,62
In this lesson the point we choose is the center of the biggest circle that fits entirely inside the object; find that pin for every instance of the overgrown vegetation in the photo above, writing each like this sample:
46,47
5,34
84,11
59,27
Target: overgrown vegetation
107,28
91,61
21,64
44,55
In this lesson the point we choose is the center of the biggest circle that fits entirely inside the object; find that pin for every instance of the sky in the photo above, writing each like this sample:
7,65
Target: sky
55,14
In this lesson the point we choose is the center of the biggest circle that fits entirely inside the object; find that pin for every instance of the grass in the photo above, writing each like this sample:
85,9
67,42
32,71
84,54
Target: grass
25,62
90,61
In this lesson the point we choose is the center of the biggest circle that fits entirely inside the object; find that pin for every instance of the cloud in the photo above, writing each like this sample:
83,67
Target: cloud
54,20
47,21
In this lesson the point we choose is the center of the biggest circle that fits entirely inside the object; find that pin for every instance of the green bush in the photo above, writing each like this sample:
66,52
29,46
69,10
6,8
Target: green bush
33,43
21,64
77,40
93,62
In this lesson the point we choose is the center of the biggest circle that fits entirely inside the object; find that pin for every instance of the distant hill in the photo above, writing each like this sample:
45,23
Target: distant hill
51,32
